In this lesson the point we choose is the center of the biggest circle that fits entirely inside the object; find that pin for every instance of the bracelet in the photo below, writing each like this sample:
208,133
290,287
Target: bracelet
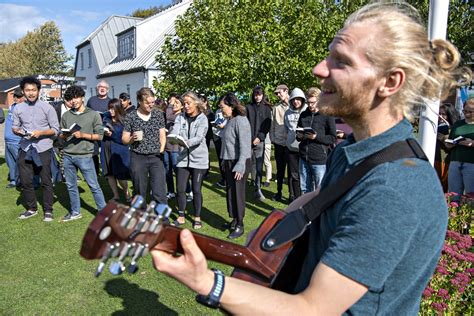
213,299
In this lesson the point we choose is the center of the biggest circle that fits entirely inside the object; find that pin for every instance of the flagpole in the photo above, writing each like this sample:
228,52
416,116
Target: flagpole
437,28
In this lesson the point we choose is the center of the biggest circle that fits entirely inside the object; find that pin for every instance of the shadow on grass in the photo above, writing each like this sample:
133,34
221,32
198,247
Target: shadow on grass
136,301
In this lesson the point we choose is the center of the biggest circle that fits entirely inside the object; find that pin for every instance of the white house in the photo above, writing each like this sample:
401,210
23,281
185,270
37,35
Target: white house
122,51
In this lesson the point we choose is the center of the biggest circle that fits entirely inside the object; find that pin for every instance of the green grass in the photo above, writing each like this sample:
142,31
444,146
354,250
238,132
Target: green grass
42,272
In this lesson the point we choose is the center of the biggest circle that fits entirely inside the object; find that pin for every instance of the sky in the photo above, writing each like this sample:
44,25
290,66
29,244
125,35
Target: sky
75,19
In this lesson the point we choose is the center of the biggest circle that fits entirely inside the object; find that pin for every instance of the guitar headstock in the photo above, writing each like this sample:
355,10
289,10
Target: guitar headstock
122,232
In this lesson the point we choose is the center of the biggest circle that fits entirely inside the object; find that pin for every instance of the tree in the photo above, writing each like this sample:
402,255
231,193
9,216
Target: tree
40,51
460,23
235,45
145,13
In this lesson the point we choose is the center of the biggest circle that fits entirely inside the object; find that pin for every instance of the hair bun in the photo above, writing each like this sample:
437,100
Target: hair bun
445,54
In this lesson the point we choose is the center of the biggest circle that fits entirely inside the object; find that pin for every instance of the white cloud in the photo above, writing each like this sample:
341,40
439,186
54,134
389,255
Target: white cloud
17,20
88,15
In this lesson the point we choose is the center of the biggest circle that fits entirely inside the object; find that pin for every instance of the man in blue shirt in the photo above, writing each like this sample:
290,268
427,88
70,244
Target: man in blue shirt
12,142
374,251
36,122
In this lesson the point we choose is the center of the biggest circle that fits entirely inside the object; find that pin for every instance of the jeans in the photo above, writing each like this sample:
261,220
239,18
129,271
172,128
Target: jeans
460,178
170,161
86,165
310,176
11,157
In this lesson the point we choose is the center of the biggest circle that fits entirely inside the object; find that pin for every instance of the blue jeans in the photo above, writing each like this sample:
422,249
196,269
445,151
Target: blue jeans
170,160
86,165
460,178
11,157
310,176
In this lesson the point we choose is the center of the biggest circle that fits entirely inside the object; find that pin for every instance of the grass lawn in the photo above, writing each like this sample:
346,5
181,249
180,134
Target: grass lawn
42,272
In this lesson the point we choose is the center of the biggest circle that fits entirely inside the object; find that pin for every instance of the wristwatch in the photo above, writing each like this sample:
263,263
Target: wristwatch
213,299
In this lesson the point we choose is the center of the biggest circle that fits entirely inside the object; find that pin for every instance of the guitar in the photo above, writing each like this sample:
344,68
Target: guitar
119,231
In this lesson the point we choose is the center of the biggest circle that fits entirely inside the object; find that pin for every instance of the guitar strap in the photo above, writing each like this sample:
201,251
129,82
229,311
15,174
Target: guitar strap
294,224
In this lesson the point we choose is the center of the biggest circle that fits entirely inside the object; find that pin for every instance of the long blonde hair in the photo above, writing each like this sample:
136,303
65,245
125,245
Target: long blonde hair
430,67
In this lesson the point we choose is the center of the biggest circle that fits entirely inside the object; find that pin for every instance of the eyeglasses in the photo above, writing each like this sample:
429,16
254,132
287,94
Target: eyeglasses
468,111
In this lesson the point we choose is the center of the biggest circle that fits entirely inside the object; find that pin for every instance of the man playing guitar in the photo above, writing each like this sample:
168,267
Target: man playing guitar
374,250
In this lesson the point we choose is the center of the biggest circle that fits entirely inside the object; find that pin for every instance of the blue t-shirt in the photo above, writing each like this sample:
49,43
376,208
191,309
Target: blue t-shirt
386,232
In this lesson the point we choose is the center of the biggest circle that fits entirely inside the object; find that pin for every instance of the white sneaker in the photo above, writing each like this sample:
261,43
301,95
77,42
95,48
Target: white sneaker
190,197
170,195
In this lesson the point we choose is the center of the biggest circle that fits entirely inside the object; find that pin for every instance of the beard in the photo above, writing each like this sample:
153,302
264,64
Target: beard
350,103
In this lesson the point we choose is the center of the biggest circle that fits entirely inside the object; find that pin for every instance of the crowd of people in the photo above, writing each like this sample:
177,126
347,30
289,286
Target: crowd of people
132,145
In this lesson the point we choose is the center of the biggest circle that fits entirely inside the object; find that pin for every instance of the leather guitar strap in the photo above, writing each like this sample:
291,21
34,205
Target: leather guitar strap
295,223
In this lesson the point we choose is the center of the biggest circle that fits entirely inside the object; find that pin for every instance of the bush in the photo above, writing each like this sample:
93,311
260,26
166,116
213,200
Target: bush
450,289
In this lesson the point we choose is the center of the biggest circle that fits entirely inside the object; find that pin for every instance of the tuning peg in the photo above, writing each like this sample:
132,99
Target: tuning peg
133,267
117,267
103,260
137,203
162,211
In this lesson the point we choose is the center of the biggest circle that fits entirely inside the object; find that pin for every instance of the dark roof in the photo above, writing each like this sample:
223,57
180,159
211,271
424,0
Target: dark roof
9,84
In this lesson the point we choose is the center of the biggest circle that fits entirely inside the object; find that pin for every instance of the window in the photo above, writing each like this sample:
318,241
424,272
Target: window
126,45
91,92
113,92
128,89
81,60
89,54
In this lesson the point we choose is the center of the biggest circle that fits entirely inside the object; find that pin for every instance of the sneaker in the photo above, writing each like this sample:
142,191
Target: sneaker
259,196
11,185
28,214
190,197
221,184
170,195
71,217
48,217
266,184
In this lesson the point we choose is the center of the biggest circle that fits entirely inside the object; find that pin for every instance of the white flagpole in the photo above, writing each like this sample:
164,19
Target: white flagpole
437,28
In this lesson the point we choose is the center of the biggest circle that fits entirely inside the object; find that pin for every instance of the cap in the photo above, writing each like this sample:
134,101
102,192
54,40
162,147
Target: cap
124,96
281,87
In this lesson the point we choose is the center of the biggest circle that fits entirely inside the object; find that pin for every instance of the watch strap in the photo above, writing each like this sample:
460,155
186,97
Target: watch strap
214,297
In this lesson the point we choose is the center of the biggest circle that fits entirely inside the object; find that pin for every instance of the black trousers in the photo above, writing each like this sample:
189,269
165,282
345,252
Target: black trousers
148,167
293,173
258,155
280,157
182,178
236,190
27,170
218,145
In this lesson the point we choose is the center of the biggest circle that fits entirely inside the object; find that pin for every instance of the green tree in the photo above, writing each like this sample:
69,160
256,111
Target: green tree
235,45
40,51
460,23
145,13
